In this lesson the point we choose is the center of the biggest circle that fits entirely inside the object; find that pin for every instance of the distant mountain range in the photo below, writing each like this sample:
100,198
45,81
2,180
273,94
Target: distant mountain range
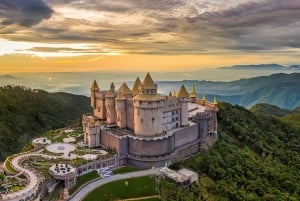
282,90
263,67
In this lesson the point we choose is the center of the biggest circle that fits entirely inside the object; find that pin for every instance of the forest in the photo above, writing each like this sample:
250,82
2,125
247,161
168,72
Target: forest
256,157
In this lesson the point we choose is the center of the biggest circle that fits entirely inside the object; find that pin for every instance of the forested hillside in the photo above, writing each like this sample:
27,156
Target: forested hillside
256,157
26,113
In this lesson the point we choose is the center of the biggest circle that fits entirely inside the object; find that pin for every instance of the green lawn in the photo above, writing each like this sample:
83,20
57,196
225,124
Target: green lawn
149,199
128,188
83,179
124,169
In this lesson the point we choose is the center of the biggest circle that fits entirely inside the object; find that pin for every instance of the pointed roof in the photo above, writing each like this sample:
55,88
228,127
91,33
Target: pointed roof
124,89
215,101
112,86
170,94
203,97
182,92
94,86
148,81
193,92
136,86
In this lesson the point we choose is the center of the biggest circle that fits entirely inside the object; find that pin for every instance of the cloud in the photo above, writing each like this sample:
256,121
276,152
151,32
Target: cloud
157,27
23,12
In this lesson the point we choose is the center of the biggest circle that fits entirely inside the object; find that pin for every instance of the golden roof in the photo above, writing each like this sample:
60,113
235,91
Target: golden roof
193,92
148,81
136,86
215,101
203,97
182,92
124,89
94,86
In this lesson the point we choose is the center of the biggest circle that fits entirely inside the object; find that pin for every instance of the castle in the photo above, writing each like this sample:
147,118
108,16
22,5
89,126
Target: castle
146,129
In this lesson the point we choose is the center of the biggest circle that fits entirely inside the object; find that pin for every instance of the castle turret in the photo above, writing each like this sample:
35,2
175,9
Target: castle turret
183,96
110,105
94,90
123,93
193,94
136,86
148,110
97,101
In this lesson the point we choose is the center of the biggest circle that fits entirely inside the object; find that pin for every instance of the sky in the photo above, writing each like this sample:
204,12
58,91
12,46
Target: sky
146,35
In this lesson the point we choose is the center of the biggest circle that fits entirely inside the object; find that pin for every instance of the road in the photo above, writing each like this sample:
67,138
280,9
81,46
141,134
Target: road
82,193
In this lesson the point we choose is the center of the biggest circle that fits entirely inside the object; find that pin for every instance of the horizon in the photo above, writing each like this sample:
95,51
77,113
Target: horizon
131,36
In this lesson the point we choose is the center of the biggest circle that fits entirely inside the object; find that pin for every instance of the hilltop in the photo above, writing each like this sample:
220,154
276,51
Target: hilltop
256,157
26,113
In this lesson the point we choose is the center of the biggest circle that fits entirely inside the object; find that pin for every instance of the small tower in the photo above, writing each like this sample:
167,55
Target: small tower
121,102
94,90
148,110
193,94
215,102
183,96
110,105
203,99
97,101
136,87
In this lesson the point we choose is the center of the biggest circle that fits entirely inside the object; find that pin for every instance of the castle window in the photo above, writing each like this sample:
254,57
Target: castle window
98,109
142,120
152,118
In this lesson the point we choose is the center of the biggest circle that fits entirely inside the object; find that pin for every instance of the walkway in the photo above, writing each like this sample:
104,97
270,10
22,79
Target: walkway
84,191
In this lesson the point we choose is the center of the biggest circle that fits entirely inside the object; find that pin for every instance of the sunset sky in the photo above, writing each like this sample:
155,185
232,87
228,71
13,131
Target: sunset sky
143,35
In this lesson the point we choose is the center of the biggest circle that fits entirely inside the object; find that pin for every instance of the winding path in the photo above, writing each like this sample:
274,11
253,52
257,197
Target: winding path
85,190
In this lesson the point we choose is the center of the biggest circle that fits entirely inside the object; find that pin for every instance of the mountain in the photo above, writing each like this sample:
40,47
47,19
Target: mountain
291,117
279,89
268,109
6,76
262,67
256,67
256,157
26,113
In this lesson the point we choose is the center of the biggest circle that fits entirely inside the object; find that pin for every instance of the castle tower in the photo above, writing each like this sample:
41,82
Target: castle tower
97,101
94,90
121,101
193,94
136,86
183,96
148,110
110,105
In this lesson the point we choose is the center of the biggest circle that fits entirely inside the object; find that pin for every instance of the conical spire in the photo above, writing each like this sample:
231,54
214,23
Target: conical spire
193,92
203,97
148,81
215,101
170,94
112,86
94,86
124,89
136,86
182,92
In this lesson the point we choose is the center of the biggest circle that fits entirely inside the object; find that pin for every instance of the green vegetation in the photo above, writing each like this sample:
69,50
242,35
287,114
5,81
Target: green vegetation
291,117
83,179
256,157
267,109
128,188
24,114
124,169
147,199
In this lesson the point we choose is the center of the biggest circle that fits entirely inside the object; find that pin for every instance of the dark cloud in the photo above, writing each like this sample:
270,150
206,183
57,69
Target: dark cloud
23,12
160,27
